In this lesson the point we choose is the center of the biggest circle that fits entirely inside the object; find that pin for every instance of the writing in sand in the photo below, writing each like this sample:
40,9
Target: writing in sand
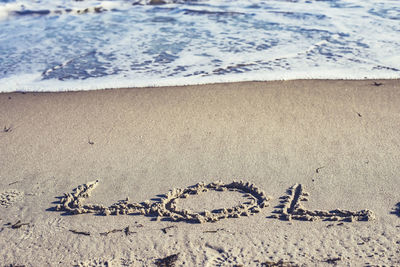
291,205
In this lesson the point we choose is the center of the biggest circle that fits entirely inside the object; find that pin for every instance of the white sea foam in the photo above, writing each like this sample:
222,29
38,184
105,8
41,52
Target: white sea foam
33,83
63,45
8,8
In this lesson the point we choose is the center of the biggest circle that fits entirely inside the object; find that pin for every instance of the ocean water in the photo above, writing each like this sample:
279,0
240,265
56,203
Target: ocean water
58,45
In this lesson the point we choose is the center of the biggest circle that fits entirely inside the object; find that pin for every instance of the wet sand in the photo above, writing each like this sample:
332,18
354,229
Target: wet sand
296,173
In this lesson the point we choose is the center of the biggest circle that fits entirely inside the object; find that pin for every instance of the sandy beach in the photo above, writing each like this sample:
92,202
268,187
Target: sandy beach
319,161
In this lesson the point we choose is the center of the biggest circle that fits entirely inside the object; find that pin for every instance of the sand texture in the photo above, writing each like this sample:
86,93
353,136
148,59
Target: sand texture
286,173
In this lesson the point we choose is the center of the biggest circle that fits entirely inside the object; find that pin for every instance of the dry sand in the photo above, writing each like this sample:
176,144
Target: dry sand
333,143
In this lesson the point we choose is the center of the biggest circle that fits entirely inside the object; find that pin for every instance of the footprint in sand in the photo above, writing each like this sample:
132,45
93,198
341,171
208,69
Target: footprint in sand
239,258
222,258
95,263
291,208
104,262
9,197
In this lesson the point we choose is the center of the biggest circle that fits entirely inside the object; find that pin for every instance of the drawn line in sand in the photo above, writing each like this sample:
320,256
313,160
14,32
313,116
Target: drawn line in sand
291,208
80,232
17,225
167,206
214,231
126,231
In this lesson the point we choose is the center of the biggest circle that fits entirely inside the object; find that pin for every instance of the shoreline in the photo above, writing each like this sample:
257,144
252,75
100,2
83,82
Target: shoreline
64,87
336,140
